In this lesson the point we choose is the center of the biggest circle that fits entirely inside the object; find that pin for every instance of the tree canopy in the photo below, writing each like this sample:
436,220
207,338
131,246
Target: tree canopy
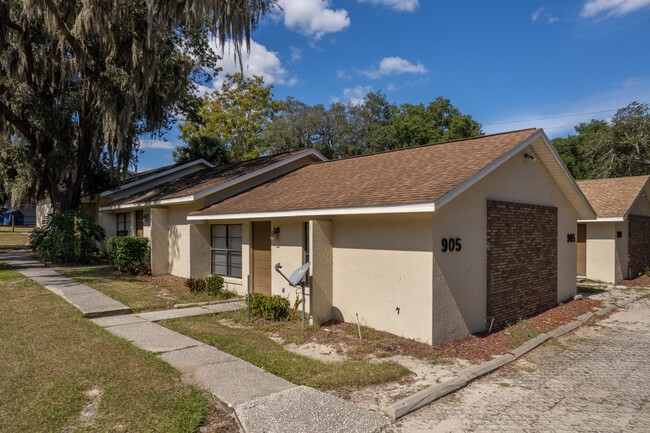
80,81
616,148
234,116
373,125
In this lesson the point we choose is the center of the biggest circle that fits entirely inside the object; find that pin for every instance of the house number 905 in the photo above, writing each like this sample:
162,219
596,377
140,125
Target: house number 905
450,244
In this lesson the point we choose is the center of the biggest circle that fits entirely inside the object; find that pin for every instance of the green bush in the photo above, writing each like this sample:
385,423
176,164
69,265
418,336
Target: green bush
67,237
128,254
270,307
214,284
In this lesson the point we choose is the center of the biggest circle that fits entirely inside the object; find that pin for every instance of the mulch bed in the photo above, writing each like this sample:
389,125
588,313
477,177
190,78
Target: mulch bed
484,345
642,281
477,347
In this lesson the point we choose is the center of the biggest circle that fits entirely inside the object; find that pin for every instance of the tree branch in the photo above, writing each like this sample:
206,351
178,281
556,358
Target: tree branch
75,44
17,122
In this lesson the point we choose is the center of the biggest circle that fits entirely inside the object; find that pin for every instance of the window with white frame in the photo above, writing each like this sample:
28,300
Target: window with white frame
226,249
122,224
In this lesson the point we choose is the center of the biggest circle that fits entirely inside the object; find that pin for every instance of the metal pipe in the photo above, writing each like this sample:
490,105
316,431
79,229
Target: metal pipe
358,325
248,297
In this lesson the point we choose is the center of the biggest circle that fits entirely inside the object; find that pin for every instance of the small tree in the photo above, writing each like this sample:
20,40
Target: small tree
67,237
235,116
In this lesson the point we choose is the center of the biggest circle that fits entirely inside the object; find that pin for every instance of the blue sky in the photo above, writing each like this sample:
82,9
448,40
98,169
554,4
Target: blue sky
510,64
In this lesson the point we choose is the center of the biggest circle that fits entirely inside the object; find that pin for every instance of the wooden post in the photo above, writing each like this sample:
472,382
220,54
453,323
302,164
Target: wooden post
12,223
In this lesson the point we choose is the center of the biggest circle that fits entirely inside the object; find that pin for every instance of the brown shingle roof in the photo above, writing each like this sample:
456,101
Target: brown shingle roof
612,197
202,180
406,176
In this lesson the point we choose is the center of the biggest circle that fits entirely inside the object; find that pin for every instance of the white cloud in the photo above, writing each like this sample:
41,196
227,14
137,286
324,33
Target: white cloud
394,66
296,54
398,5
313,18
155,143
542,15
631,82
355,95
259,61
612,7
341,74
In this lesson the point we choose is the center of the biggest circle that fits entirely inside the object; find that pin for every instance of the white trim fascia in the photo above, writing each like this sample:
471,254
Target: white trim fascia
550,146
464,185
407,208
259,172
157,175
185,199
604,220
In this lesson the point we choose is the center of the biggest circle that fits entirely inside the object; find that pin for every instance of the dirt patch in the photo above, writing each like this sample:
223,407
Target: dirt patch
484,345
89,411
634,316
218,420
642,281
321,352
426,374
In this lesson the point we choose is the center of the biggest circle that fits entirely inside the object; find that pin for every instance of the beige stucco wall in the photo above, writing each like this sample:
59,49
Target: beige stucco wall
382,270
620,262
287,250
179,239
459,296
601,251
159,221
322,271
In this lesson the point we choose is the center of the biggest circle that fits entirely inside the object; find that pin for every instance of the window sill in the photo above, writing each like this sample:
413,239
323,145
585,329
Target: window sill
231,280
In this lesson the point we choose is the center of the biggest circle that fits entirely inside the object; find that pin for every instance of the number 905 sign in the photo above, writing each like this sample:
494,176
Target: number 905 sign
450,244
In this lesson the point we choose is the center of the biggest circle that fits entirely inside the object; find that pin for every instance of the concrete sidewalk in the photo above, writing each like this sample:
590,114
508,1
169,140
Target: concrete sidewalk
261,401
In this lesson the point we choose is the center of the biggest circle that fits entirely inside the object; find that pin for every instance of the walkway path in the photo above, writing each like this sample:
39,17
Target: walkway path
261,401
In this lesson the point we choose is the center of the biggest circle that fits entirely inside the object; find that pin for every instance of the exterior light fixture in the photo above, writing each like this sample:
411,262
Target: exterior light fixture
529,156
275,233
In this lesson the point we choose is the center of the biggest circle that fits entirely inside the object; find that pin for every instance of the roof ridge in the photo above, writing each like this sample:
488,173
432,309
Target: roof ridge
614,178
420,146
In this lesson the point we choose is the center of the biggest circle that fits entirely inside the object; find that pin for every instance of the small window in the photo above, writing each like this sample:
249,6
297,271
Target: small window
226,250
123,224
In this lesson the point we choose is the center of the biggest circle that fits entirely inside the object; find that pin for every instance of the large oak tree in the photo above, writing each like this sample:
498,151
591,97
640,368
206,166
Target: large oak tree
80,80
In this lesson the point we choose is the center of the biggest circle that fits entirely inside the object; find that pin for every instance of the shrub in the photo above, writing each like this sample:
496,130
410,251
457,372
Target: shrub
214,284
128,254
270,307
67,237
196,285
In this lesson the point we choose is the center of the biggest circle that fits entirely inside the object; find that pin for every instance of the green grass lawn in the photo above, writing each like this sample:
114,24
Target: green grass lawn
138,293
13,241
254,346
50,355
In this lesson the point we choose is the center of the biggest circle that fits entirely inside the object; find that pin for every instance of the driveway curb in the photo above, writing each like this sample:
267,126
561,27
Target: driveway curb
435,392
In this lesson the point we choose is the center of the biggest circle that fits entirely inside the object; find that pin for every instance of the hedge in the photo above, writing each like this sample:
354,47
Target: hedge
128,253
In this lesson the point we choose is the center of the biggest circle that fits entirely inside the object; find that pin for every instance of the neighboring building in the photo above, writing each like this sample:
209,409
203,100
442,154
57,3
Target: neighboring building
432,242
158,210
131,184
616,244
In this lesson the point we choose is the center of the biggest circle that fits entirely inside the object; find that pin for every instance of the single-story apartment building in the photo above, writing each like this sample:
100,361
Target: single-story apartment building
132,183
616,244
158,209
431,242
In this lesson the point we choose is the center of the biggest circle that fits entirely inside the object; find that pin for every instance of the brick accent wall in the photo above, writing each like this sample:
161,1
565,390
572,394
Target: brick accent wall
521,260
638,244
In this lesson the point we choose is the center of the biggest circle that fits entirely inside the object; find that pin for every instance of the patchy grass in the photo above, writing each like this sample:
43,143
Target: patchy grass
140,293
484,345
590,290
50,355
344,337
254,346
13,241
